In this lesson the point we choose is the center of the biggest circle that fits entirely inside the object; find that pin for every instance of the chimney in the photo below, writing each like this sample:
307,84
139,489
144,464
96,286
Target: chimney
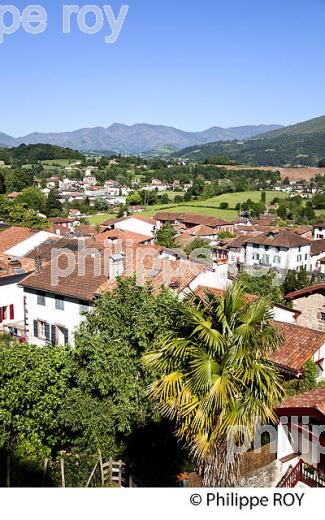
116,265
38,264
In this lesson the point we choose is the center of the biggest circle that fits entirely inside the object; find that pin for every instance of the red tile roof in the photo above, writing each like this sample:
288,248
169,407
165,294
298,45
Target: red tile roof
113,221
300,344
317,247
190,218
13,236
305,292
10,267
283,238
200,230
314,399
120,234
201,292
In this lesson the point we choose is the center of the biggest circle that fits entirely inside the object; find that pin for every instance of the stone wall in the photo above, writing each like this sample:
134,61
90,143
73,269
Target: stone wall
252,461
310,307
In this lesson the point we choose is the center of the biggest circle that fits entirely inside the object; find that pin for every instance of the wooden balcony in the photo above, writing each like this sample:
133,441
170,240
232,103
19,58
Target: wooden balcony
304,473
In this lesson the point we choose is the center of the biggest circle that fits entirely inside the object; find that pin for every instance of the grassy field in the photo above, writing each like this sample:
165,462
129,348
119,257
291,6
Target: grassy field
234,198
57,162
100,218
208,207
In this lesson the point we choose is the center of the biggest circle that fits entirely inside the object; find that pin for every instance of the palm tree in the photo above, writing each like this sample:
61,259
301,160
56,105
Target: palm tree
216,378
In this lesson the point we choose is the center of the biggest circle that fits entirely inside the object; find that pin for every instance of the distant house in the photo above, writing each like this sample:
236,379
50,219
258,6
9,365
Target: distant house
280,249
319,232
134,223
191,220
317,254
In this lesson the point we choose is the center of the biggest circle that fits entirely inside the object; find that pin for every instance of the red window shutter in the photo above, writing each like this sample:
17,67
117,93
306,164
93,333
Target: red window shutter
12,312
1,315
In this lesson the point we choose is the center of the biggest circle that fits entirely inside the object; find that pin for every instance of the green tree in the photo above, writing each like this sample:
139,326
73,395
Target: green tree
224,205
108,399
33,198
215,376
263,284
305,384
166,236
33,384
53,206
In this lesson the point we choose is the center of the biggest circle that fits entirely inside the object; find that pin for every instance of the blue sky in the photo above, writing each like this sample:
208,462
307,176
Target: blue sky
185,63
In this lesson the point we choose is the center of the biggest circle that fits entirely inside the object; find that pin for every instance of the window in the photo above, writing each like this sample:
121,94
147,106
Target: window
83,307
306,256
41,329
322,316
299,258
277,259
59,303
41,298
256,256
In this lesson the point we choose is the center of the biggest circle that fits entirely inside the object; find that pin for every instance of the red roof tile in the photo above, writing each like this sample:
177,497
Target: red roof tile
13,236
314,399
300,344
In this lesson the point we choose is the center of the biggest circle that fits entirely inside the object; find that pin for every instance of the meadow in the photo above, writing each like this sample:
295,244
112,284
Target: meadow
208,207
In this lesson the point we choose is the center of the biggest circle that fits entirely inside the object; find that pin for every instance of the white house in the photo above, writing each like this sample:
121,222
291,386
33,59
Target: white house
135,223
283,250
319,232
301,439
12,311
317,254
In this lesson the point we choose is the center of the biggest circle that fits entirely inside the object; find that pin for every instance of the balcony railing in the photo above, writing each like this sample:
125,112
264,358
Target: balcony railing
305,473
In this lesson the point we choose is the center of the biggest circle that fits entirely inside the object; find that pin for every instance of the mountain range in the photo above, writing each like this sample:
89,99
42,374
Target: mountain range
136,139
302,144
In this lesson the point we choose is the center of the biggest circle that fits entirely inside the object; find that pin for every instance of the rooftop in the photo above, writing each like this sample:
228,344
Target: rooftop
300,344
283,238
319,288
14,235
317,247
308,400
190,218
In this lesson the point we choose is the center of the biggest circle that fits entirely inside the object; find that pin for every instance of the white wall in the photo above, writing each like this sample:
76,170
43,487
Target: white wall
11,294
319,233
136,226
70,318
284,315
288,258
216,279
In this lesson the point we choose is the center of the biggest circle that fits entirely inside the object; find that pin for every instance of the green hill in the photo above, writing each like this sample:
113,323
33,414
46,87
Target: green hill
301,144
31,154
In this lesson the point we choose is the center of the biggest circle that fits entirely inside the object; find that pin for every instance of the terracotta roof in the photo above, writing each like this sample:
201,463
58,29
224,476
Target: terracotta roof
239,241
283,238
86,284
317,247
120,234
113,221
60,220
202,289
85,230
305,292
191,218
11,267
76,285
201,230
300,344
45,250
314,399
13,236
320,226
